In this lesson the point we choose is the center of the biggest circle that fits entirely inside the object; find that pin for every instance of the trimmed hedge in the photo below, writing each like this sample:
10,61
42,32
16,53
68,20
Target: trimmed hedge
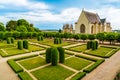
86,57
20,45
12,40
78,76
89,69
54,56
14,66
61,54
24,76
40,38
48,55
92,45
8,40
25,44
57,40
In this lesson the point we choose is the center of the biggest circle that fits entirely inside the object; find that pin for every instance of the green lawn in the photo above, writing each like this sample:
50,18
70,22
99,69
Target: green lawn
101,51
35,48
52,73
12,50
4,44
50,42
31,63
77,63
79,48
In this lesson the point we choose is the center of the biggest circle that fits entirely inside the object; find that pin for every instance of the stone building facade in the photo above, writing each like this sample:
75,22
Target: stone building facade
90,23
67,28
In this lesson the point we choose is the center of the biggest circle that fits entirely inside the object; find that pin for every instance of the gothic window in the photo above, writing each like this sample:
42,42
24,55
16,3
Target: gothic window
82,28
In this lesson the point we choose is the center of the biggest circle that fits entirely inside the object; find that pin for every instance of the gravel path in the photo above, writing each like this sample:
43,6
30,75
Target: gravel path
107,70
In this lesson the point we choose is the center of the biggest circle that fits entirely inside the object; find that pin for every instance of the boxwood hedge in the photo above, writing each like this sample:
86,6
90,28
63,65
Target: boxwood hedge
78,76
14,66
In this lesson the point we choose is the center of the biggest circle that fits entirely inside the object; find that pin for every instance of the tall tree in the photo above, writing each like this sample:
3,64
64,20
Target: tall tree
11,25
23,22
2,28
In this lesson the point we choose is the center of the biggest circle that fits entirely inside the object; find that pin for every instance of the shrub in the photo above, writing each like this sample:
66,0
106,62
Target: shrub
40,38
48,55
61,54
78,76
25,44
8,40
89,69
54,55
14,66
92,45
12,40
20,45
24,76
57,40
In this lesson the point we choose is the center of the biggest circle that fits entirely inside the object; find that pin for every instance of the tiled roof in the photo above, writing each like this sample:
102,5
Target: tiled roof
103,20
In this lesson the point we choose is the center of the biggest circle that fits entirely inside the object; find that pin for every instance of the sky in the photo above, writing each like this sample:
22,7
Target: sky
52,14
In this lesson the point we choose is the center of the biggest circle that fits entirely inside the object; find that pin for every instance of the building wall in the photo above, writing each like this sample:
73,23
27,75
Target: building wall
82,20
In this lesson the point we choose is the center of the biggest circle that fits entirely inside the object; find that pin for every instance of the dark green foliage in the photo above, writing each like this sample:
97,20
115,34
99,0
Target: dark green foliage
25,44
11,25
24,76
48,55
57,40
40,38
111,37
2,28
20,45
91,37
101,37
83,36
14,66
92,45
54,55
89,69
12,40
16,35
61,54
8,40
78,76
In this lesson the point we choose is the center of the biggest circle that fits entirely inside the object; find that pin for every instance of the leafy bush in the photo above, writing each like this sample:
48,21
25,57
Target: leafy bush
24,76
61,54
48,55
78,76
92,45
54,53
14,66
12,40
25,44
89,69
8,40
20,45
57,41
40,38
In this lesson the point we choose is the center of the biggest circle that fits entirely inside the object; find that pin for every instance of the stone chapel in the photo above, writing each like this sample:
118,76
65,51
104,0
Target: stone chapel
90,23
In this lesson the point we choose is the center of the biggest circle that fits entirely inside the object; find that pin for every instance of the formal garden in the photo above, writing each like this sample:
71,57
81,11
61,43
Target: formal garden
55,55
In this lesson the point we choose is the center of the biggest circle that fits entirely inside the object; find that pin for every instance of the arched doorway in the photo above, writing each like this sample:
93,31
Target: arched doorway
92,30
82,28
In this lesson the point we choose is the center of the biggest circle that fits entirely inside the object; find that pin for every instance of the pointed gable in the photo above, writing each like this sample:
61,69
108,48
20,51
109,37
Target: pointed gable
92,17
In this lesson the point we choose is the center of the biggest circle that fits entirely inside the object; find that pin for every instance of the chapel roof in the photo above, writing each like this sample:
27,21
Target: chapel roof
92,17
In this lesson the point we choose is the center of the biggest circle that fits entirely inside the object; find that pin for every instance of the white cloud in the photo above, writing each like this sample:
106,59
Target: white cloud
25,4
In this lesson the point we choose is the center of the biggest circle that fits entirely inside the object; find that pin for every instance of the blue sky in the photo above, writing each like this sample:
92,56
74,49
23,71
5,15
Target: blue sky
52,14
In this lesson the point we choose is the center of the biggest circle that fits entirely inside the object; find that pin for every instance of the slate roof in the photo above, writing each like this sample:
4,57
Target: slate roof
92,17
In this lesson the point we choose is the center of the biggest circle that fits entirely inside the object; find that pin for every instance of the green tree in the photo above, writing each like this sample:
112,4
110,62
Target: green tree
54,53
61,54
2,28
22,28
111,37
84,37
91,36
48,55
11,25
23,22
101,37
